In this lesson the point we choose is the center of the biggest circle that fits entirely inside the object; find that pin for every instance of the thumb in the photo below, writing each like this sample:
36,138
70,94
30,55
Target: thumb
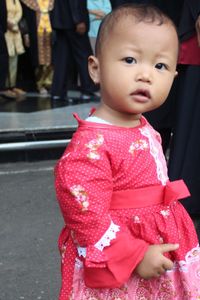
169,247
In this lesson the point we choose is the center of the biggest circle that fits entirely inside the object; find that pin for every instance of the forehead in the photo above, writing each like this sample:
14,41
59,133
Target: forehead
152,34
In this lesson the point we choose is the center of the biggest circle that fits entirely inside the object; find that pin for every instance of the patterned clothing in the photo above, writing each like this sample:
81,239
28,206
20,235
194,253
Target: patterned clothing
42,9
116,199
14,38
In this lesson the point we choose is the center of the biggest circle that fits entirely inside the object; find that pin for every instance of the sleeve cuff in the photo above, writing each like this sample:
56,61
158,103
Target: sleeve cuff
116,264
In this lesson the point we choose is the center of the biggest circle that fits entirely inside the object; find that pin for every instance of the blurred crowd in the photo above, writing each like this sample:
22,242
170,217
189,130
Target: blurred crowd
44,44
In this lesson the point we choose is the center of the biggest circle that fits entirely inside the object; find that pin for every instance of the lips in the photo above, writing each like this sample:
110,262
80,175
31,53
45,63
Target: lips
141,95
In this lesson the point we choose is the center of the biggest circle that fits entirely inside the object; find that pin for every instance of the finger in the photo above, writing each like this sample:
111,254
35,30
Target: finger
168,264
169,247
160,272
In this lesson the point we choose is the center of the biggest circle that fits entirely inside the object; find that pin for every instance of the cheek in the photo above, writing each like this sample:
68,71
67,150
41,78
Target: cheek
166,87
113,81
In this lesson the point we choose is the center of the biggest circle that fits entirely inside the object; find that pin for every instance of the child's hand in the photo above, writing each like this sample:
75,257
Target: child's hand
154,262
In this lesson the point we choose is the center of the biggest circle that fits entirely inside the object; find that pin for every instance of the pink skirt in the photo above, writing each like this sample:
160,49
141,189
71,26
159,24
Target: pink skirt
156,217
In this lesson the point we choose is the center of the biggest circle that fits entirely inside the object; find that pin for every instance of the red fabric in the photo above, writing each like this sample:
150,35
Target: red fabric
190,52
99,160
123,256
150,195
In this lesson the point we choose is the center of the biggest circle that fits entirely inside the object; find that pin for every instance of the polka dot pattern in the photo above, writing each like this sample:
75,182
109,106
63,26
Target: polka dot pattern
120,159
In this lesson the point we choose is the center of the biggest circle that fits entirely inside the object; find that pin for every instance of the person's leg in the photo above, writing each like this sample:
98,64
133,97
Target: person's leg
4,92
4,71
12,74
60,64
81,49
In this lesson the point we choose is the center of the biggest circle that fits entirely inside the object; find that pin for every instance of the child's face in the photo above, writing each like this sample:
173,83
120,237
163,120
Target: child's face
136,66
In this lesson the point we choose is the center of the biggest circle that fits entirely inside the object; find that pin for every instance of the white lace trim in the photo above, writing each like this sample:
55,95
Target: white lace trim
105,240
191,257
81,251
78,264
155,150
108,236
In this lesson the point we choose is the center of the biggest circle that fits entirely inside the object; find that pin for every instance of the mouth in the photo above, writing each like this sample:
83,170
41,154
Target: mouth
141,95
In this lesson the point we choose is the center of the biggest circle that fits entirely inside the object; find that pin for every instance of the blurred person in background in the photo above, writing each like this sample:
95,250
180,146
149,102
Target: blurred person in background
4,53
14,43
36,14
70,21
97,10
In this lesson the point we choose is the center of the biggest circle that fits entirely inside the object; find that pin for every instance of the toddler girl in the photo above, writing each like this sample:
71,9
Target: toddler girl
126,234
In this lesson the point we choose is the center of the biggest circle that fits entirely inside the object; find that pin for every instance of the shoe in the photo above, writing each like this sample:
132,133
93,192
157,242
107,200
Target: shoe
86,97
74,101
9,94
55,98
19,92
57,102
43,91
59,99
91,96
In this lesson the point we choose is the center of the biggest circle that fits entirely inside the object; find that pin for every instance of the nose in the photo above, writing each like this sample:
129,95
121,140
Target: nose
144,74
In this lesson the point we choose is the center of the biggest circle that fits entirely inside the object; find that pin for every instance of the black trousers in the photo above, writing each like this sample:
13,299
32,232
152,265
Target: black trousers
70,46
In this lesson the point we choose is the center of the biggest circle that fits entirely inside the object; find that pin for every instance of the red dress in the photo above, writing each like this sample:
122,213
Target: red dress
116,199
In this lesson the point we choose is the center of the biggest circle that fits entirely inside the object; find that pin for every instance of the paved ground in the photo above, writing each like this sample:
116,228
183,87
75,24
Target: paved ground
38,113
30,222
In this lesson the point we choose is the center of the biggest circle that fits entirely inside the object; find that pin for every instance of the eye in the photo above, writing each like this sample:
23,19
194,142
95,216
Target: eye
161,66
129,60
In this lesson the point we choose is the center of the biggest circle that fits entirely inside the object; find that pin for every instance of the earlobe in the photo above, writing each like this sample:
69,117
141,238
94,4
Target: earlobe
176,74
93,67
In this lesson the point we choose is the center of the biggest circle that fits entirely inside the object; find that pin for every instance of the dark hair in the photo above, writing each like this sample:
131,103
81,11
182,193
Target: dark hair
140,12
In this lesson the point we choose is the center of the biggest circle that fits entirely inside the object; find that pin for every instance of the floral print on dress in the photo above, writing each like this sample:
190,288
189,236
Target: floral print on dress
62,252
144,290
166,290
93,147
136,219
165,213
138,145
160,239
81,196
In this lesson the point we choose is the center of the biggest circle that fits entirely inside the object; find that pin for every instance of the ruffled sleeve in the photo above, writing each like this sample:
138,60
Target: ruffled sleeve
84,186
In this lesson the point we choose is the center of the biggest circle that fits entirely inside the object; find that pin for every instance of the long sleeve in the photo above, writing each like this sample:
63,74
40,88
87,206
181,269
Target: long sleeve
79,11
18,14
84,187
14,12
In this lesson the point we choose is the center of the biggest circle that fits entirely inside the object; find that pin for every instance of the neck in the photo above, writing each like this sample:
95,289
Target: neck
117,118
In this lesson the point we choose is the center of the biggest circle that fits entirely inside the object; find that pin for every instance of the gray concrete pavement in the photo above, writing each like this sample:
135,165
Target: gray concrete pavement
30,223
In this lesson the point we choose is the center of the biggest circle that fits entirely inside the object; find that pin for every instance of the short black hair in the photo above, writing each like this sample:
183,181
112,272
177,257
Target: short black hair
140,12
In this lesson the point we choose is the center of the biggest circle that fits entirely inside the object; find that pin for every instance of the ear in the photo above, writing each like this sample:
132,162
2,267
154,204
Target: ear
93,67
